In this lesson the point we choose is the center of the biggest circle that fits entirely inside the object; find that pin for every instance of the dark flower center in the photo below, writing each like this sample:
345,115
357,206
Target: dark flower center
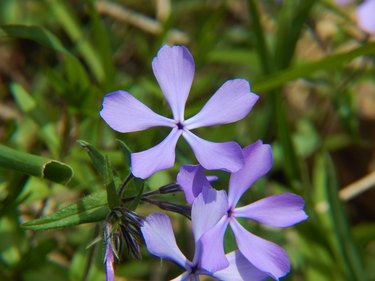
229,212
180,126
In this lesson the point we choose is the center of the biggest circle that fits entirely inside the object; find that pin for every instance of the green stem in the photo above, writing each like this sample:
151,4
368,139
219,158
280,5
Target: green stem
34,165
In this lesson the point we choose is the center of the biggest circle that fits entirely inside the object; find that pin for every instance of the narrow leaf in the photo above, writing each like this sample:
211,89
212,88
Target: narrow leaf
92,208
97,159
304,70
112,197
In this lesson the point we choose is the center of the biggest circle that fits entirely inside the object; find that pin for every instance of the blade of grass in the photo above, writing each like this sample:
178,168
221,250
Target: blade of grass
277,79
353,261
70,24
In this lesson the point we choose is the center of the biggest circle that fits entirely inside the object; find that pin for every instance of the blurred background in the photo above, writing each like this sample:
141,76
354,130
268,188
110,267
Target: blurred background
309,61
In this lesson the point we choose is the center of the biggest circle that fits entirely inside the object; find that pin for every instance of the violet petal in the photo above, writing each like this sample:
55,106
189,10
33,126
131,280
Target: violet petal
124,113
109,260
232,102
215,156
159,157
192,180
208,208
258,161
160,240
239,269
174,69
210,253
280,210
265,255
365,16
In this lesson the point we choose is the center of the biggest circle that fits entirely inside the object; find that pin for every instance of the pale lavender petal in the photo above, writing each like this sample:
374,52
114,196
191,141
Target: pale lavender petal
159,157
160,240
280,210
365,16
207,209
109,260
174,69
212,178
232,102
239,269
258,161
215,156
192,180
263,254
124,113
210,253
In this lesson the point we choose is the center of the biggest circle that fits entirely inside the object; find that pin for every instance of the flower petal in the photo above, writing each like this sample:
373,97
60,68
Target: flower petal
209,252
232,102
109,260
124,113
159,157
239,269
365,16
280,210
215,156
263,254
208,208
174,69
258,161
160,240
192,180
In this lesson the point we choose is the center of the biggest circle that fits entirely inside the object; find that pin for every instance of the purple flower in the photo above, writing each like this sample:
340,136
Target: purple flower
365,16
281,210
174,70
364,13
160,241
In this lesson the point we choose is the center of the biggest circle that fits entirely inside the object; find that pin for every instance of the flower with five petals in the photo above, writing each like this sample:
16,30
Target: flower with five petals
174,70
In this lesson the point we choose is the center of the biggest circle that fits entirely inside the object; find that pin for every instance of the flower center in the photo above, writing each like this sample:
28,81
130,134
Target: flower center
179,125
230,212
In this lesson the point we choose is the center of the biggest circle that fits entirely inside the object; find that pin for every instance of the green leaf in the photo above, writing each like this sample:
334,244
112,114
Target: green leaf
348,249
126,152
34,33
97,159
139,184
112,197
70,24
92,208
34,165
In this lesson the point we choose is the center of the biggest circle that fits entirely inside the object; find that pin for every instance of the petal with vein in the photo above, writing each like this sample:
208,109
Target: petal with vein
159,157
232,102
160,240
124,113
215,156
263,254
258,161
280,210
174,69
239,269
192,180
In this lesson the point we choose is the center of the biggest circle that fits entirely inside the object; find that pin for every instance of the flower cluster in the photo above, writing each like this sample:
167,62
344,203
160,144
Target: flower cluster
212,211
